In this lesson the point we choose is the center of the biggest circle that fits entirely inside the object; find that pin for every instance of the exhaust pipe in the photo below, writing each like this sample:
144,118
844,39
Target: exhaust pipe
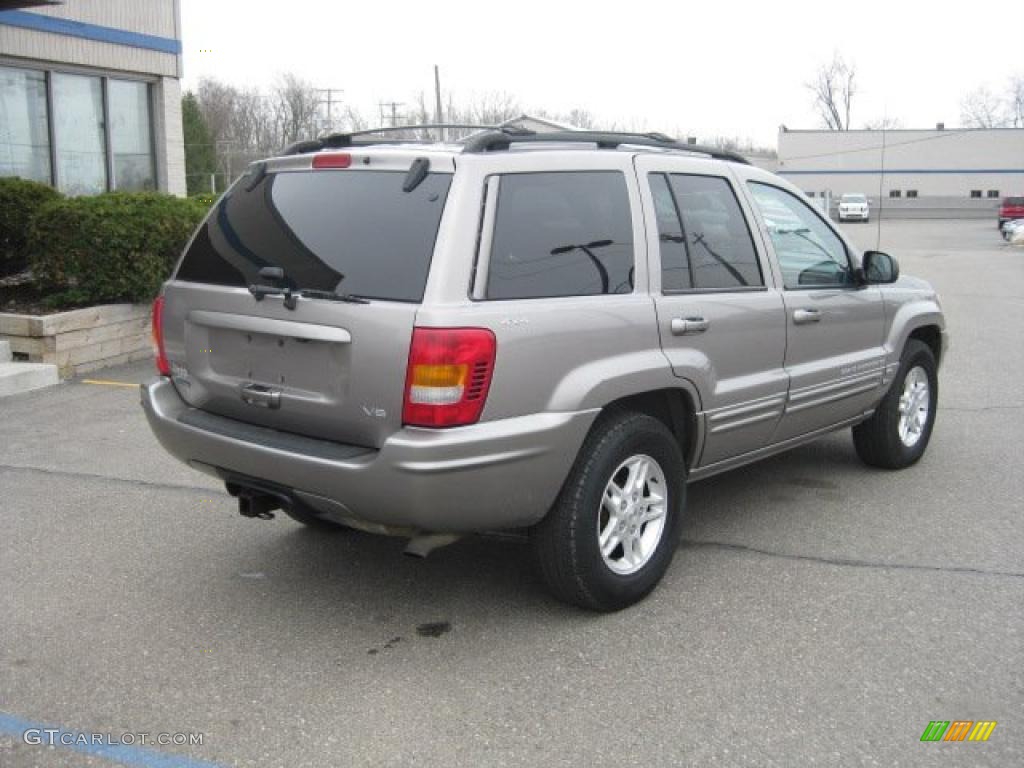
421,546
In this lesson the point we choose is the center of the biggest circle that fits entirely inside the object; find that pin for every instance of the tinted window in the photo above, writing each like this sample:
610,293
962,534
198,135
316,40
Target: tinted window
561,234
810,254
348,231
704,239
675,262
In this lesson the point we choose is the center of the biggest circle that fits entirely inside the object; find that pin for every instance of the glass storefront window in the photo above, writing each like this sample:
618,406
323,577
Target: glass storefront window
24,132
79,135
130,135
91,117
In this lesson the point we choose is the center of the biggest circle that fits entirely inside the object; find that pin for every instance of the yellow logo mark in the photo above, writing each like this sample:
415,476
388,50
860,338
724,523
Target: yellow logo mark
982,730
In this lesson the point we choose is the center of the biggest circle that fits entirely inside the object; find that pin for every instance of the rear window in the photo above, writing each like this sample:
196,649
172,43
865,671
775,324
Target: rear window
348,231
561,234
1014,201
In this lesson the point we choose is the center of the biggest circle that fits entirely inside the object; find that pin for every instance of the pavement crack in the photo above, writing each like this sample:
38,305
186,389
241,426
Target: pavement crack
980,408
97,476
851,562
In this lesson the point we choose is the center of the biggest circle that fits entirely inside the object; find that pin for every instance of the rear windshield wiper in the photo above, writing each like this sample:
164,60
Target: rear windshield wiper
291,296
350,298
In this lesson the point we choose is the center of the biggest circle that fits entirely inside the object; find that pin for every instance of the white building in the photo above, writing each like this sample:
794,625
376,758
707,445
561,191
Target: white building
90,97
958,168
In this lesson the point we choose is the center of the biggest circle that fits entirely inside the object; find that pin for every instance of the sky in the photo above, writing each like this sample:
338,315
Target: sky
733,69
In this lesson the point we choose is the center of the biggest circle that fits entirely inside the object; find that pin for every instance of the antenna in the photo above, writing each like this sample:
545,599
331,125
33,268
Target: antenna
881,205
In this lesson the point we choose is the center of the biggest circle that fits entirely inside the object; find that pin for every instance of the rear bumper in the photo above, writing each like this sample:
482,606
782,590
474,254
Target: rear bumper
493,475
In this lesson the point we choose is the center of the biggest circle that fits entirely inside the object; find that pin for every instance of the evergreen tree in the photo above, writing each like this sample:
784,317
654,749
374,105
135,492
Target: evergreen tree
200,154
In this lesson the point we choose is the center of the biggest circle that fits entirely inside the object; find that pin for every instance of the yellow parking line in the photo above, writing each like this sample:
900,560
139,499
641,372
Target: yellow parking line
107,383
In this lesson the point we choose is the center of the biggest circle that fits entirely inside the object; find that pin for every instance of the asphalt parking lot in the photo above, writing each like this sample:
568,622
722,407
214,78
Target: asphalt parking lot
818,612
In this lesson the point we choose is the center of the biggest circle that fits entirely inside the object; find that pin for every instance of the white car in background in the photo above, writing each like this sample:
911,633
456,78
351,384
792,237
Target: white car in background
1013,231
853,207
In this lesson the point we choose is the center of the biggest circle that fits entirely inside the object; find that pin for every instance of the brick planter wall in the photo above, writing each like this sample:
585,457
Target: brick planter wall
81,340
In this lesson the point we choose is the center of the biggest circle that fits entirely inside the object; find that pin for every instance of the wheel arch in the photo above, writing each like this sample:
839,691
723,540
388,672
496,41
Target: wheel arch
675,407
931,335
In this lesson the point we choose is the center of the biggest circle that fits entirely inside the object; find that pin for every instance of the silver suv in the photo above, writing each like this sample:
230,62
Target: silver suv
550,333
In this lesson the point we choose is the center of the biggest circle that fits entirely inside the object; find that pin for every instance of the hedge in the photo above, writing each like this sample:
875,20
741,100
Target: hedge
19,200
118,246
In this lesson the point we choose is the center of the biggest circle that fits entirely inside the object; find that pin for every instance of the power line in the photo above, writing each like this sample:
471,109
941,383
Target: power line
874,148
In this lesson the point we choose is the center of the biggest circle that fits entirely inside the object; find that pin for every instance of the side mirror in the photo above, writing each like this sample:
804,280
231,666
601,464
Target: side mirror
879,268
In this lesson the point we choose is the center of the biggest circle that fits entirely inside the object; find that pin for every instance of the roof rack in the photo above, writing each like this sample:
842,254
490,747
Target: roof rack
496,141
353,138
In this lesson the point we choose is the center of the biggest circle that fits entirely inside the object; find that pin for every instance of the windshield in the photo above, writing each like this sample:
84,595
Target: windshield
352,231
854,199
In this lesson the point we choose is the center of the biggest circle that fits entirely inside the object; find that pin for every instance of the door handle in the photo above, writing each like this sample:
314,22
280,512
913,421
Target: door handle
687,326
804,316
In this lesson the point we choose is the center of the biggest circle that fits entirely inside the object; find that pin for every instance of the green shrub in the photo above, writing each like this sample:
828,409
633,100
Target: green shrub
114,247
19,200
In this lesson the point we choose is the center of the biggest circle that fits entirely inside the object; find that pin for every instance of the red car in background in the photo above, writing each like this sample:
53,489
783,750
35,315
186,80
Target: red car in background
1011,208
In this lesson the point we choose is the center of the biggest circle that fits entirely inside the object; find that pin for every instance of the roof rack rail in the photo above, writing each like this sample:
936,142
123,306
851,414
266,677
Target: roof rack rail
354,138
497,141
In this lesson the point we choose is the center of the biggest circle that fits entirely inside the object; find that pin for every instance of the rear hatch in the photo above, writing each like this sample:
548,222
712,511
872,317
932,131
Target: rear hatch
323,368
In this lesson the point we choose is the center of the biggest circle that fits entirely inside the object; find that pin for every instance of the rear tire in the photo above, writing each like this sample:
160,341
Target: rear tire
616,524
897,435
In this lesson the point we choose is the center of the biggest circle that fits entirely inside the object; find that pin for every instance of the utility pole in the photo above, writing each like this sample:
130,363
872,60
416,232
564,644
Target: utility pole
226,154
437,102
329,101
393,106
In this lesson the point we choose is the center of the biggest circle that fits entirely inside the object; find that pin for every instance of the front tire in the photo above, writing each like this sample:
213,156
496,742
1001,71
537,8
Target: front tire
897,435
615,526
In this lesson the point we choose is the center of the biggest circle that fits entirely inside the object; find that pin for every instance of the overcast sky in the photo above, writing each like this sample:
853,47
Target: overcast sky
714,68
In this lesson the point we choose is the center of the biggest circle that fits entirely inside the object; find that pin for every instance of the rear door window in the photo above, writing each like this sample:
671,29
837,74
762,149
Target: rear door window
349,231
703,236
561,234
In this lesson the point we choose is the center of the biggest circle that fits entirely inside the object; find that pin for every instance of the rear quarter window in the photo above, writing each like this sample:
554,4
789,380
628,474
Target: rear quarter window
561,234
350,231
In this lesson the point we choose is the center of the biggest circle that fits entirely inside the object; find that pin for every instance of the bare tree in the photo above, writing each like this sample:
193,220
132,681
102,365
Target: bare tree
295,105
578,117
982,109
217,102
834,89
884,124
1016,101
355,120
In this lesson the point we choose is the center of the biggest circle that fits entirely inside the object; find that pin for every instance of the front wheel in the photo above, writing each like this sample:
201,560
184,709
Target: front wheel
615,526
897,435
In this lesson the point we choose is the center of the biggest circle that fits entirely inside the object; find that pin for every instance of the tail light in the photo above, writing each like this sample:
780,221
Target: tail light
162,365
448,377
